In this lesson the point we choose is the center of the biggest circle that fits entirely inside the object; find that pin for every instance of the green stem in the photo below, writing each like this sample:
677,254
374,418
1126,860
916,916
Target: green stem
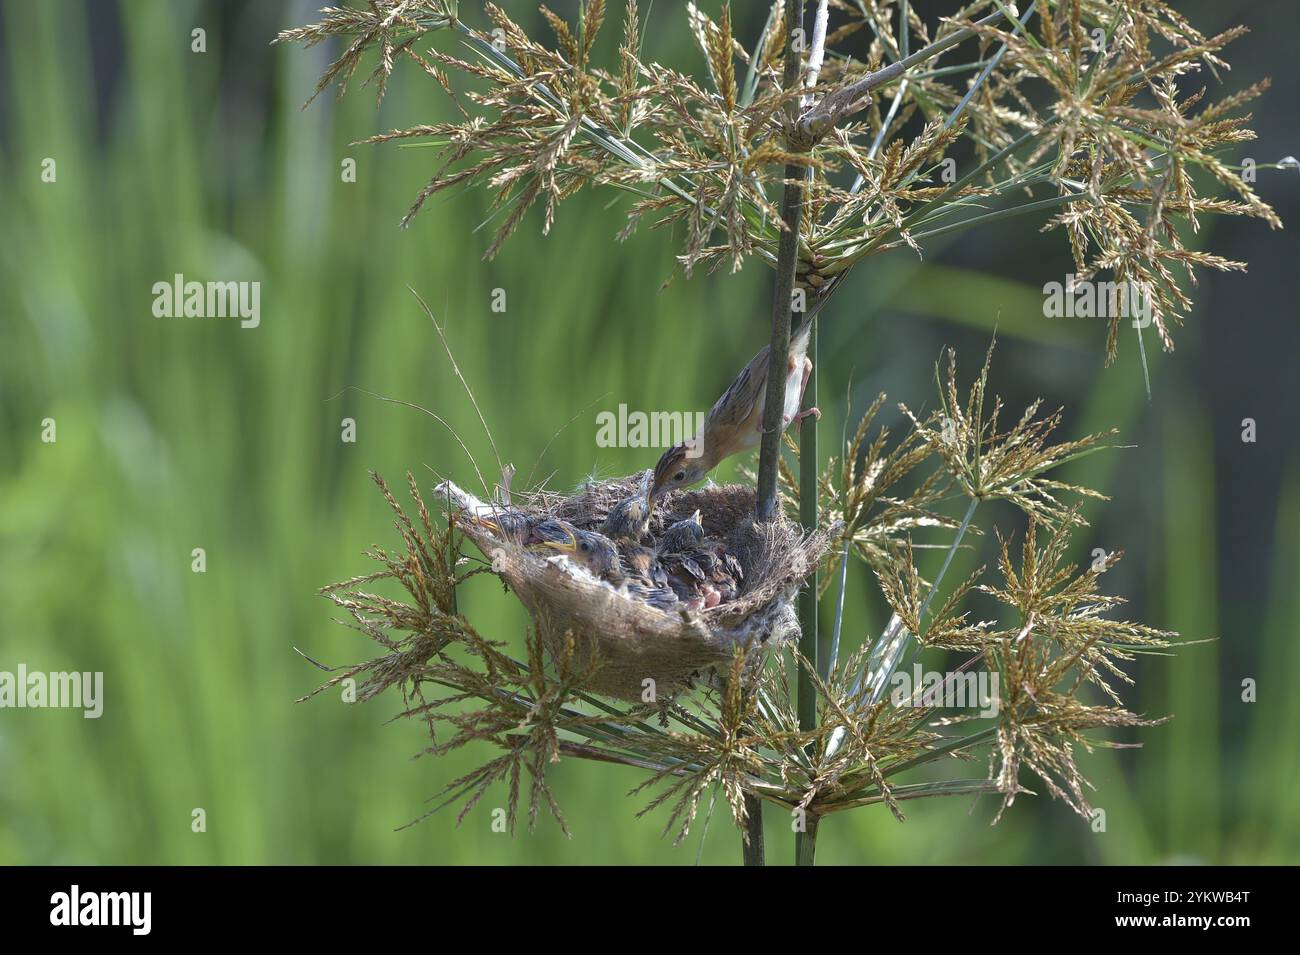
839,104
934,589
897,654
779,346
947,560
1018,210
805,843
988,69
838,626
752,848
787,259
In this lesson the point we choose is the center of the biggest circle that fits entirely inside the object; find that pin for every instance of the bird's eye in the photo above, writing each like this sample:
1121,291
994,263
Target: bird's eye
680,475
584,547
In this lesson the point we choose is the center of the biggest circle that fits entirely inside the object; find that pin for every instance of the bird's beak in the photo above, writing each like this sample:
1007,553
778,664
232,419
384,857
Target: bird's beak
568,546
648,491
696,517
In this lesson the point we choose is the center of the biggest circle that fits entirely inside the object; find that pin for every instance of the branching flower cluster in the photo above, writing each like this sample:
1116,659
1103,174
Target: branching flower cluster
1078,109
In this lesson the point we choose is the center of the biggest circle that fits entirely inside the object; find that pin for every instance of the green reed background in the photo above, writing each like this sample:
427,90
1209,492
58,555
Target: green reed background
183,433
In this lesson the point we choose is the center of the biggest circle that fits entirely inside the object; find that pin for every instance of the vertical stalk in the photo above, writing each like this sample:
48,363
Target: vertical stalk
805,843
753,849
778,348
783,289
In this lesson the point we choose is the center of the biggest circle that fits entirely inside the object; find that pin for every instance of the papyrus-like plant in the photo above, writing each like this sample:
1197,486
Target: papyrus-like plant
819,142
1077,109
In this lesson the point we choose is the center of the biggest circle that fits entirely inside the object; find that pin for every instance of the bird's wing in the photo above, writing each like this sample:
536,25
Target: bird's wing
738,401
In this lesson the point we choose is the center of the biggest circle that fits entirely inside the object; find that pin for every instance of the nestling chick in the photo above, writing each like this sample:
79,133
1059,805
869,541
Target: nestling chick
512,525
642,565
700,571
554,531
661,598
637,571
722,572
629,519
682,535
593,551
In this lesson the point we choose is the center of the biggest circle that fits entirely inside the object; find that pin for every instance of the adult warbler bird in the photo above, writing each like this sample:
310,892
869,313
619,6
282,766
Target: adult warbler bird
735,422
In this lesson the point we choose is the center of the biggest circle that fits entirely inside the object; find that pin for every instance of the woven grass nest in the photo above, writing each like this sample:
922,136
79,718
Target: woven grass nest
627,640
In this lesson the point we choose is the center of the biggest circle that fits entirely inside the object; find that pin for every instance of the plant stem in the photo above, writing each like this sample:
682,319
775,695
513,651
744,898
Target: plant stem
817,52
839,615
750,85
891,631
934,587
947,560
988,69
805,843
817,122
782,293
752,846
778,348
1023,208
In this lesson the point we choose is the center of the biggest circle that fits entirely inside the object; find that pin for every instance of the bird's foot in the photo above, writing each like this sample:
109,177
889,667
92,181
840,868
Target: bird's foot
815,413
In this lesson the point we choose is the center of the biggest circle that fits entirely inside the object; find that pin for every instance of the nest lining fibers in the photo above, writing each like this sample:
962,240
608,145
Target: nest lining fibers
628,640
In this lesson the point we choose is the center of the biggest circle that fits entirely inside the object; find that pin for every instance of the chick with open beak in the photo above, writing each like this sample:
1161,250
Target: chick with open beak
636,572
511,525
593,551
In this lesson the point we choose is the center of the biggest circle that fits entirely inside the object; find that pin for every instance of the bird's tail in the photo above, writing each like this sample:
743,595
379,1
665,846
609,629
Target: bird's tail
817,301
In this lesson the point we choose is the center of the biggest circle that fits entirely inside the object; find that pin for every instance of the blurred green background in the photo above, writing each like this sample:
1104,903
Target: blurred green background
174,434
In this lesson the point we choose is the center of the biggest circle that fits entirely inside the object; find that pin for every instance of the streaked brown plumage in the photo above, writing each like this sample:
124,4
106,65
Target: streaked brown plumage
682,535
735,422
642,564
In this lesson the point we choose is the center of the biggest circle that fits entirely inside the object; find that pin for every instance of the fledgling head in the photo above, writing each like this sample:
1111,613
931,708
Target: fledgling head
593,551
555,532
508,525
683,535
598,554
677,469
